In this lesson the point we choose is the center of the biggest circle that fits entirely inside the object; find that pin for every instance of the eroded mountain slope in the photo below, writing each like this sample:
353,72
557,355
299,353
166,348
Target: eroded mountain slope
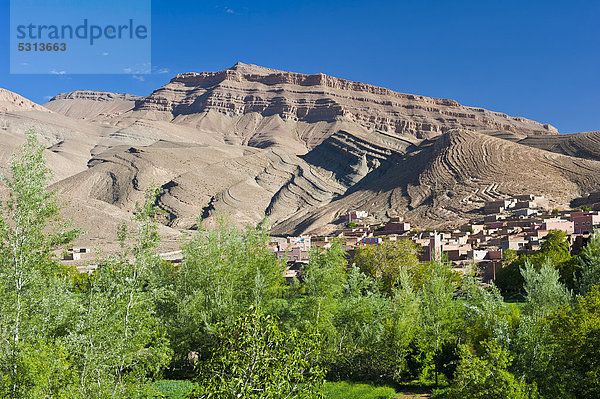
450,177
582,145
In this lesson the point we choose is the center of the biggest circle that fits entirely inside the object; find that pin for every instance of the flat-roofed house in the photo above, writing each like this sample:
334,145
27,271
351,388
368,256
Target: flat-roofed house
584,222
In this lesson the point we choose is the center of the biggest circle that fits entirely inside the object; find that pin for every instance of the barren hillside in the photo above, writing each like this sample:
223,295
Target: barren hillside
445,180
580,145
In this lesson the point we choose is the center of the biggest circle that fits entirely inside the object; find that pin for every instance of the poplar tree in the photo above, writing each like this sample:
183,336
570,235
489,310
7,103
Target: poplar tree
36,307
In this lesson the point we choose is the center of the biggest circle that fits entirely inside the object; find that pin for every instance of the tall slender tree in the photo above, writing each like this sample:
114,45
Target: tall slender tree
31,278
589,264
120,341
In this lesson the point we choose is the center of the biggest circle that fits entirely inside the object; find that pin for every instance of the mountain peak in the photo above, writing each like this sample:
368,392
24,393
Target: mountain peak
251,69
247,88
10,101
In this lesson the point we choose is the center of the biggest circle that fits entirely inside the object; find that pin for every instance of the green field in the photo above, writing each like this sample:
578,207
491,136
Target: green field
348,390
174,389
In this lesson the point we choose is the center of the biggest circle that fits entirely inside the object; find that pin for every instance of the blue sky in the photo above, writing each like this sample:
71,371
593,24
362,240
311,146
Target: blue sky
537,59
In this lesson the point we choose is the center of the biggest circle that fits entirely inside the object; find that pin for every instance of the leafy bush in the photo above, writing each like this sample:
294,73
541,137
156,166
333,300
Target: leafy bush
487,376
255,359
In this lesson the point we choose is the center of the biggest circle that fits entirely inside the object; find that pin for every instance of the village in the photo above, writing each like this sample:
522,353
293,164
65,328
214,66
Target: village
518,224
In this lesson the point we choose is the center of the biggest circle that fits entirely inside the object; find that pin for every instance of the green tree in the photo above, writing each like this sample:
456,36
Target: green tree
532,346
324,279
487,376
555,244
508,257
589,265
255,359
438,310
555,248
403,327
485,314
544,291
45,371
576,334
372,330
223,272
35,305
386,260
120,342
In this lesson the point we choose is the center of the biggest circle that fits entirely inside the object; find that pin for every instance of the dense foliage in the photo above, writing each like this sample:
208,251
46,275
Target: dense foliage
253,358
227,322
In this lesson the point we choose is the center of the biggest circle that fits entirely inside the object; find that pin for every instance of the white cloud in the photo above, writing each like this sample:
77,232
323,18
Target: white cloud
139,69
230,10
53,72
104,54
138,77
156,69
24,63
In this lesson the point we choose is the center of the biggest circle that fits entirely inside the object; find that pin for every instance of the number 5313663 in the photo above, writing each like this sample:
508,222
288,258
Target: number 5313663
42,47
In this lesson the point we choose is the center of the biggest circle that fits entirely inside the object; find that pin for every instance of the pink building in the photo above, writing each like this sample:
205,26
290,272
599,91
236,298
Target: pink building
294,248
584,222
516,243
558,224
293,255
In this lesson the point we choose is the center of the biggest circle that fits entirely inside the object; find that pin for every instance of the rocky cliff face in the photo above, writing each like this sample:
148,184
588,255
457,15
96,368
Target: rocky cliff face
245,89
95,96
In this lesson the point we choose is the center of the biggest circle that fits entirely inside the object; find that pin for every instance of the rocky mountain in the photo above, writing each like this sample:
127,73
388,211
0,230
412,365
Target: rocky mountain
300,149
259,107
85,104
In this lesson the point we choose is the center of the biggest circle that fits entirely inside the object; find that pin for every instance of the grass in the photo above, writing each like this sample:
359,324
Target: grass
178,389
349,390
174,389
